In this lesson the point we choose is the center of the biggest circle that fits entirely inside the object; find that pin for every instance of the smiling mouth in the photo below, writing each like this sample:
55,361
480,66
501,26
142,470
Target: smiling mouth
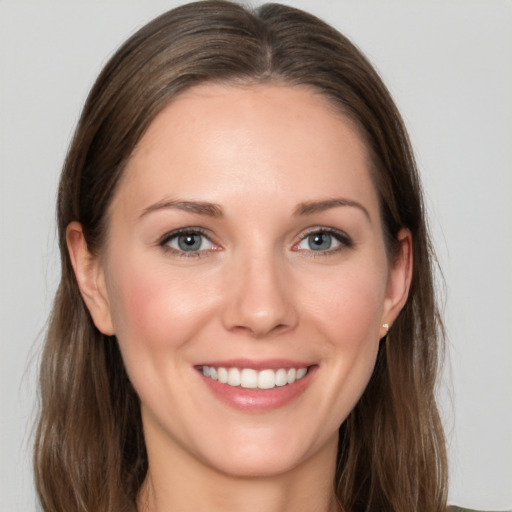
248,378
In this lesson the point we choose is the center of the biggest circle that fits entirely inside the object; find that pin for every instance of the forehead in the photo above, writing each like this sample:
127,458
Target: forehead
218,140
234,107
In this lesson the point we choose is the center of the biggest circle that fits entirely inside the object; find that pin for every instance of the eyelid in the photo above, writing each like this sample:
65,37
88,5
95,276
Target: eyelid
341,236
181,231
163,242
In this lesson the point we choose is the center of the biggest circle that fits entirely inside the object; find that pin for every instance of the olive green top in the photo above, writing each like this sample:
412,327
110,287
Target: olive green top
453,508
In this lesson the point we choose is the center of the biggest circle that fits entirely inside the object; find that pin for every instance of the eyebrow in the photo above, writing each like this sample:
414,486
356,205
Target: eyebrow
215,210
311,207
199,207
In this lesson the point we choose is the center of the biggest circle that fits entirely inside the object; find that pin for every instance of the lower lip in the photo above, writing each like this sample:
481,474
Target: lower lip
259,400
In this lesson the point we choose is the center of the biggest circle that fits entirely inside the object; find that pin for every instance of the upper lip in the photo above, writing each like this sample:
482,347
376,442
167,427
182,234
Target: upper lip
264,364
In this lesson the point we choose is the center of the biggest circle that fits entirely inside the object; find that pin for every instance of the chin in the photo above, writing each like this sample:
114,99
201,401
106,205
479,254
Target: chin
262,465
267,454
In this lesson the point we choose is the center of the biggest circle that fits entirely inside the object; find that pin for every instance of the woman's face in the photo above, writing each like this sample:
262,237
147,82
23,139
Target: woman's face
245,243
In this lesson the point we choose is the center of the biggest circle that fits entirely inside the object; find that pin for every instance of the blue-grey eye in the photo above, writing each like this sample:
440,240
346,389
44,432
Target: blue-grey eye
191,241
320,241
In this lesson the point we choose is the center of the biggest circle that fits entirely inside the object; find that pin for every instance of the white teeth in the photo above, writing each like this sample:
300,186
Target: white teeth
234,377
301,372
267,379
249,378
222,375
281,377
252,379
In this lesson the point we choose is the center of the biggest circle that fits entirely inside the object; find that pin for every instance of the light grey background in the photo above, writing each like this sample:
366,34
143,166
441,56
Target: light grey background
448,65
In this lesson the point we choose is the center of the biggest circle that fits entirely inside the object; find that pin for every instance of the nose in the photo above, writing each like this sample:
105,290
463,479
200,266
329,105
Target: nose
259,298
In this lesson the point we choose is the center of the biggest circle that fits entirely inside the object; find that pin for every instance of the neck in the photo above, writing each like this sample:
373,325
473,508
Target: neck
188,486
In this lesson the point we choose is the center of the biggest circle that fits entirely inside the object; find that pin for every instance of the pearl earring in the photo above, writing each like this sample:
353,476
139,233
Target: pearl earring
386,327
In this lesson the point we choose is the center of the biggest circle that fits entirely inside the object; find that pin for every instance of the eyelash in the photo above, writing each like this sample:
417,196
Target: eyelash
340,236
168,237
344,240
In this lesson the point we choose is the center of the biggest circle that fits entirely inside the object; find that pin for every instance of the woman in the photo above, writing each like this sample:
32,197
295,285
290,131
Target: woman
246,316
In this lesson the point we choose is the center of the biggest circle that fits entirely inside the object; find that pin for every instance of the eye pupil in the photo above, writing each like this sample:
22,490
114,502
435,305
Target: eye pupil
318,241
189,242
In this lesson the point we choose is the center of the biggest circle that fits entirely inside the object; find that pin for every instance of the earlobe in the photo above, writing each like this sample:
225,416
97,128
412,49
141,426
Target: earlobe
90,278
399,280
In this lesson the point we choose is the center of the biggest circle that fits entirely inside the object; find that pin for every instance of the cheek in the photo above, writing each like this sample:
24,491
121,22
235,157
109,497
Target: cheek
154,310
156,319
350,321
348,306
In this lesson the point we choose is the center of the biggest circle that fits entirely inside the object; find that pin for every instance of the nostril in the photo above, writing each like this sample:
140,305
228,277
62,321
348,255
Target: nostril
259,302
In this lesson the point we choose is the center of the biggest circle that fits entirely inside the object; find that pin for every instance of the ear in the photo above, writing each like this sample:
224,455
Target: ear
399,280
90,278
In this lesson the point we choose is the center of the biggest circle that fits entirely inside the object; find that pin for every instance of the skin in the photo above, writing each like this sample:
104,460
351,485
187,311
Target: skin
255,290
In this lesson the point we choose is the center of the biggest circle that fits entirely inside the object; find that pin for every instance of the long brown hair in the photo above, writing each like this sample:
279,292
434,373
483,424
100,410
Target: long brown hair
89,449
